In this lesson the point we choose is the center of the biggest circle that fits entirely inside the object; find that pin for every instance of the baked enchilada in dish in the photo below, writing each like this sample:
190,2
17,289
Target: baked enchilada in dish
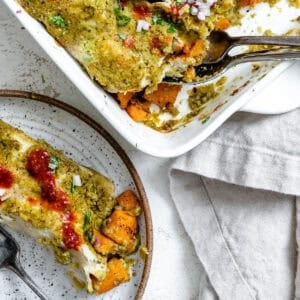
129,46
70,209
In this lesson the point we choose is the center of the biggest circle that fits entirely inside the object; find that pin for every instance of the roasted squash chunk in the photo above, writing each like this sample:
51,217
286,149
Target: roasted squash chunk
137,112
121,227
222,24
104,245
117,273
165,94
124,98
128,201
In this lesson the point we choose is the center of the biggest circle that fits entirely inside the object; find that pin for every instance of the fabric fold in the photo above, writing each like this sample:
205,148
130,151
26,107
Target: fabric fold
235,196
226,277
244,166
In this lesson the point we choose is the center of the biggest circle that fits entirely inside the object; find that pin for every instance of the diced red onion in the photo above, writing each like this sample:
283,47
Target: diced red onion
200,8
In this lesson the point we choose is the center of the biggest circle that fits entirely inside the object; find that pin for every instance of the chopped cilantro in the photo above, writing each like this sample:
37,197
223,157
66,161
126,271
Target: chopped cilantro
87,57
122,20
87,219
156,19
87,226
58,21
53,164
72,188
205,120
261,77
171,29
159,20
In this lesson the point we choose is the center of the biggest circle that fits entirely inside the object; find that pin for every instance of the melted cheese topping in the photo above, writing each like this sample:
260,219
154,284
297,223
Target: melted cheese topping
128,47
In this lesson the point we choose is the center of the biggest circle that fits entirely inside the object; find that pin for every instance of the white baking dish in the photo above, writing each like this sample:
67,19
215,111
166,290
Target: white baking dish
183,139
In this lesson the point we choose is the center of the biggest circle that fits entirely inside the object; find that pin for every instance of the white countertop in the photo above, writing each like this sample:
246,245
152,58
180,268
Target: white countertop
175,268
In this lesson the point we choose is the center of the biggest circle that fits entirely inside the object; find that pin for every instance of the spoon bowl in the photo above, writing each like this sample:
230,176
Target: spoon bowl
218,59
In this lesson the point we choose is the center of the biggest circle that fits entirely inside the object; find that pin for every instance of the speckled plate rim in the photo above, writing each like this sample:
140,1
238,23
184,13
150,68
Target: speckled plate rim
119,150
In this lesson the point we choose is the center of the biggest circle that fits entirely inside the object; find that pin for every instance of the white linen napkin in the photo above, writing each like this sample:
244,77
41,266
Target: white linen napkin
236,196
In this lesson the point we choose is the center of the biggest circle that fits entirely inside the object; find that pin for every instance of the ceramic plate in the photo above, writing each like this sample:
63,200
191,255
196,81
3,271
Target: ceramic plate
87,143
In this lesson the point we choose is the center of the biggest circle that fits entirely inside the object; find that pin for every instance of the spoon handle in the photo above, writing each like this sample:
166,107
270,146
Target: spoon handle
207,72
266,40
18,269
261,56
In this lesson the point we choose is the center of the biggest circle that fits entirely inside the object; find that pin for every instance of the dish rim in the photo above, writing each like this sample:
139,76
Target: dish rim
120,152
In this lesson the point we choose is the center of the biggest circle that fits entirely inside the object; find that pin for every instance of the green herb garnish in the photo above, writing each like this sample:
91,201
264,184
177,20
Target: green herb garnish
58,21
261,77
72,188
205,120
87,57
87,219
171,29
159,20
122,20
53,164
87,226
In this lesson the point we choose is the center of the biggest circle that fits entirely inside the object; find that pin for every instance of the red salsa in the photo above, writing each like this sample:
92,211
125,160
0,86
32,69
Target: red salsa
38,167
6,178
175,9
70,237
129,42
123,3
156,46
142,12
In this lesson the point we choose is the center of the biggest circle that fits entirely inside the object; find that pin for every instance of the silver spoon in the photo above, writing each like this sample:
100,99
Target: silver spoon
10,259
207,72
218,60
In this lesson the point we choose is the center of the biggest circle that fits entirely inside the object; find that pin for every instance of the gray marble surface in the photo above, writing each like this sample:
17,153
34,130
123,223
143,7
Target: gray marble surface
175,270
